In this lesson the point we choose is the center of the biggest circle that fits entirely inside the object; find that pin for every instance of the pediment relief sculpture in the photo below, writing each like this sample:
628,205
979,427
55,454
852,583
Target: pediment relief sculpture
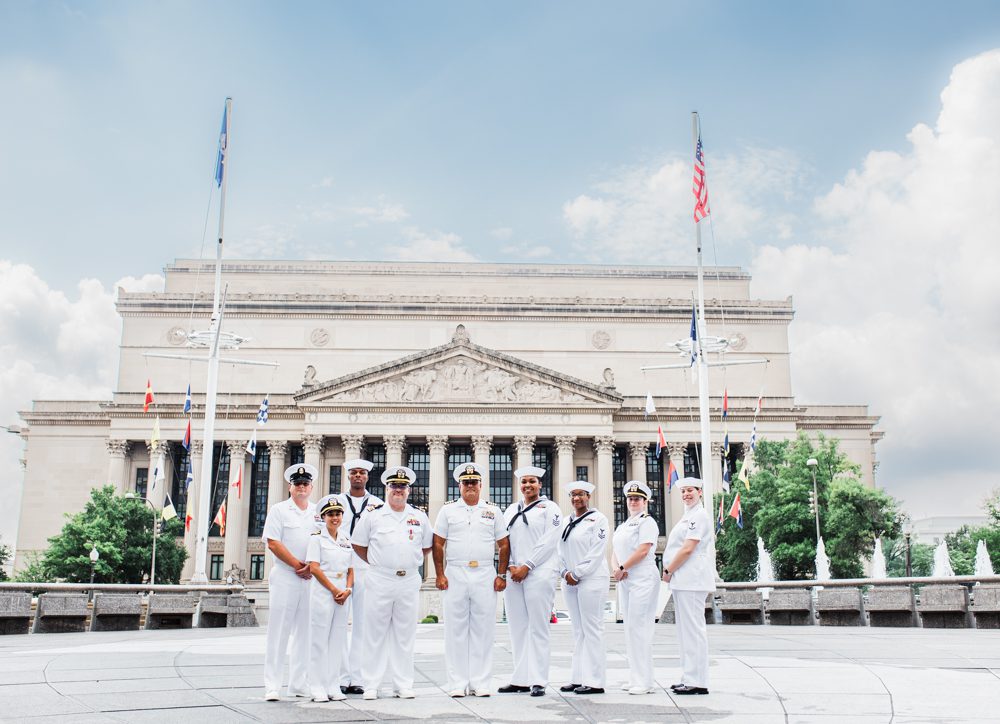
459,380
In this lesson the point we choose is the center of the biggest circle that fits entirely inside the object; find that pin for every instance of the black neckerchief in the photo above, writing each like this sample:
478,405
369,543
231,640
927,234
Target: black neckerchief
573,523
521,512
355,514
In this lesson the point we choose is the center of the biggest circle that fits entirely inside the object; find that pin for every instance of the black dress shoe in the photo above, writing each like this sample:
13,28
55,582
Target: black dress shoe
513,689
675,687
591,690
685,690
353,689
569,687
537,690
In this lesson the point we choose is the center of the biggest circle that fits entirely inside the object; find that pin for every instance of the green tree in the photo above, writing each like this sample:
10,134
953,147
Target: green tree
122,531
4,557
962,546
921,558
776,509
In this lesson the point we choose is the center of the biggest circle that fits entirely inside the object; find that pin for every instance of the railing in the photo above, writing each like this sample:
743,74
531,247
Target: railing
860,582
120,587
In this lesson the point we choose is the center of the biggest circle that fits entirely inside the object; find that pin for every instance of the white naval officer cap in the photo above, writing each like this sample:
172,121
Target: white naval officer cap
301,471
399,474
637,489
468,471
366,465
328,503
583,485
689,483
529,470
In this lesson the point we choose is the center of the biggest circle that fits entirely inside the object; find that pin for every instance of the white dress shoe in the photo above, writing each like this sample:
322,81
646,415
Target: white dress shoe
405,694
272,696
626,686
639,690
456,693
482,692
370,695
321,699
338,695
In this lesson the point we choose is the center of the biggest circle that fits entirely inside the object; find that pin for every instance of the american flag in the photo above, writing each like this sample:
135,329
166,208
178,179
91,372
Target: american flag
699,186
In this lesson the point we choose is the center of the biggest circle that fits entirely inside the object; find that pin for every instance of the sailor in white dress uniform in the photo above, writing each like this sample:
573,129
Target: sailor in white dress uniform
583,564
634,568
533,524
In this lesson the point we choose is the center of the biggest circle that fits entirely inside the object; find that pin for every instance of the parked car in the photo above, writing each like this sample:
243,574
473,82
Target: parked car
560,617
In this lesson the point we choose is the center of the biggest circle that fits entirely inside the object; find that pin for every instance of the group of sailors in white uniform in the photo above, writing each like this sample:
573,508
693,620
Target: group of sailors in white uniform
353,555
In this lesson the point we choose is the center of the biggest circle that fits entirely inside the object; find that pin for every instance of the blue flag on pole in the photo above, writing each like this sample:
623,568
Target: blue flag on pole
220,163
694,336
262,413
187,401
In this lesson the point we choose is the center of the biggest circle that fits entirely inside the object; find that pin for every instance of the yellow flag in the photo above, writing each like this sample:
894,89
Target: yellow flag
155,439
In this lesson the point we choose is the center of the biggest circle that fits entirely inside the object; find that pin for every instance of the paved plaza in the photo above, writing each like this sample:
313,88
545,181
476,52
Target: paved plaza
759,674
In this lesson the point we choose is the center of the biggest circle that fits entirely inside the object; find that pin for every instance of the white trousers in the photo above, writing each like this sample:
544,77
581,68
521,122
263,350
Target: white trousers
692,636
586,609
638,594
327,640
391,606
288,615
529,609
470,615
351,671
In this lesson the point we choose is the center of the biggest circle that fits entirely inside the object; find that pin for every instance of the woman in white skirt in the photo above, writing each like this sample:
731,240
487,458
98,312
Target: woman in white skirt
634,568
329,558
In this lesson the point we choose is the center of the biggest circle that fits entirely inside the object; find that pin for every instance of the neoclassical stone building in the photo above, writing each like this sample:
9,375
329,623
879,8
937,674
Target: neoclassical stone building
424,364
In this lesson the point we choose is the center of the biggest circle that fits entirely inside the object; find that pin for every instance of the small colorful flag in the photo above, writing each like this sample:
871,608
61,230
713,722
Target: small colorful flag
744,475
186,442
220,162
220,518
262,413
238,483
661,442
159,472
187,400
188,519
252,446
694,336
672,476
154,438
725,441
699,184
737,512
760,404
169,511
188,479
722,517
650,407
149,395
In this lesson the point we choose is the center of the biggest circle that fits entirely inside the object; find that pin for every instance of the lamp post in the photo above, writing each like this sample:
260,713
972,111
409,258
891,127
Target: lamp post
94,556
156,520
909,559
812,463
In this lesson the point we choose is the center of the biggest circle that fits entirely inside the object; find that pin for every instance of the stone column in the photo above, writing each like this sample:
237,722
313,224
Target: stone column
313,448
603,498
191,531
481,445
565,472
237,508
277,488
437,445
524,444
394,445
677,450
156,495
117,454
716,464
637,451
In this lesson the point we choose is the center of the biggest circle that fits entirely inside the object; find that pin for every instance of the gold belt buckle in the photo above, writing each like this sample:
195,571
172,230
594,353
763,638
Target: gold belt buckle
400,573
473,564
338,575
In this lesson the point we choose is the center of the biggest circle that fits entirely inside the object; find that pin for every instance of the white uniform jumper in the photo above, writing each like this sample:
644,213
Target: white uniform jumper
689,585
354,511
288,598
582,545
534,533
471,533
395,543
638,593
327,618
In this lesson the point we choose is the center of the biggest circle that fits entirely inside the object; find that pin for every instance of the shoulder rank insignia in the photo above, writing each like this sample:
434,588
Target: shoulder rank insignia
375,506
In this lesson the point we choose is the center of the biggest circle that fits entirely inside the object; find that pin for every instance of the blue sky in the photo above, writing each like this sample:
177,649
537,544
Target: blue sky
851,149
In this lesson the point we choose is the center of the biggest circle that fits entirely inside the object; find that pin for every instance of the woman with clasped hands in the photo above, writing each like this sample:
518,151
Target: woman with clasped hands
689,569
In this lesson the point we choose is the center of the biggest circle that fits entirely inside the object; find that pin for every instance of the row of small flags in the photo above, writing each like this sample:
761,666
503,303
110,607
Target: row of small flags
169,512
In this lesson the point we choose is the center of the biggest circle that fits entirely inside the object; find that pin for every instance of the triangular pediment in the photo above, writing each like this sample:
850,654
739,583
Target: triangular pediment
459,373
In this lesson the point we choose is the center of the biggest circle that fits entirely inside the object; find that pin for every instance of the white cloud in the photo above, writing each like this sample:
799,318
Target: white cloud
503,233
900,305
382,212
54,347
438,246
268,241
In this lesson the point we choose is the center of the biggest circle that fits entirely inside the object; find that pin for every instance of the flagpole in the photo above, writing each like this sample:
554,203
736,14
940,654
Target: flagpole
707,474
212,384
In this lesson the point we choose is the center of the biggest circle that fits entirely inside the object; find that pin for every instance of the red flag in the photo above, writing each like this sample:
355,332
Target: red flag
735,511
238,483
220,518
186,442
187,521
149,396
661,442
699,186
672,476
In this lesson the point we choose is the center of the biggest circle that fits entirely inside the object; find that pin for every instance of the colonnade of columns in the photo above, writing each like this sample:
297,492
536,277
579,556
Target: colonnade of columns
596,454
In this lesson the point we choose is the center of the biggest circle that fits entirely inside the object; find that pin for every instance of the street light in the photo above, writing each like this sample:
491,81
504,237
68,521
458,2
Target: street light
812,463
906,537
156,520
94,555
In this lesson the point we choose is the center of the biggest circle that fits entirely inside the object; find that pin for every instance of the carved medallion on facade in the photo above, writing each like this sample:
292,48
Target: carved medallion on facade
319,337
177,336
737,342
600,339
459,380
